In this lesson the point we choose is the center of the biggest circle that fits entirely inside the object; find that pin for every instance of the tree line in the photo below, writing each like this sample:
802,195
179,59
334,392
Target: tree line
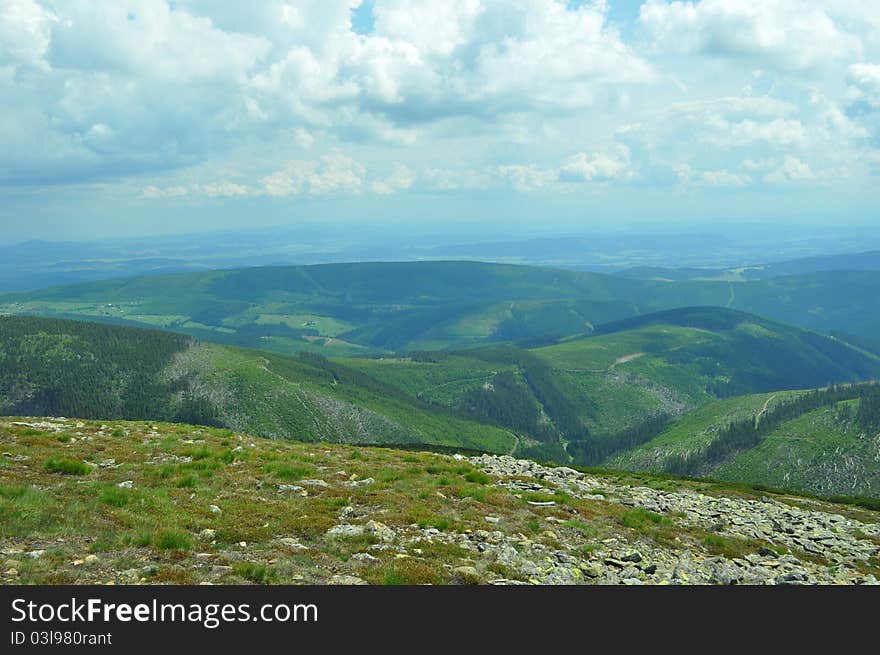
747,433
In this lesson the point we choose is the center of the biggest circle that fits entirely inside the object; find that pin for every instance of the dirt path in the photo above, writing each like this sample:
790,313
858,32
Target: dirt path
764,409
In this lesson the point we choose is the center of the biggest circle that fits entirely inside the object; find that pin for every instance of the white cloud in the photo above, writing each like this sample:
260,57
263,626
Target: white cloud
25,33
401,178
789,35
212,99
581,167
735,122
153,192
709,178
792,169
457,179
334,173
149,85
526,177
780,133
224,190
865,80
600,168
863,107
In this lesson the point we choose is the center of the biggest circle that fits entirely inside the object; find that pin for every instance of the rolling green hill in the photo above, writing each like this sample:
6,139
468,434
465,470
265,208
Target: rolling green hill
370,308
350,308
673,376
600,394
60,367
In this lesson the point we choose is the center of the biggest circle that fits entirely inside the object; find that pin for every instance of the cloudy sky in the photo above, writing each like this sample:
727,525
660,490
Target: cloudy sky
141,116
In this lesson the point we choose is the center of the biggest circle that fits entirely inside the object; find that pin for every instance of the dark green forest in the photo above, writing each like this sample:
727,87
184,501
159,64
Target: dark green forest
89,370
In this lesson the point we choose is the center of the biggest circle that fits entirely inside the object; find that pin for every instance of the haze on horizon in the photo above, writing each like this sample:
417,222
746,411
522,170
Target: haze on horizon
152,117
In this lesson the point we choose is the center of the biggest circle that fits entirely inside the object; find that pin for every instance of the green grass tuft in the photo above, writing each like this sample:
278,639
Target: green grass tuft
67,466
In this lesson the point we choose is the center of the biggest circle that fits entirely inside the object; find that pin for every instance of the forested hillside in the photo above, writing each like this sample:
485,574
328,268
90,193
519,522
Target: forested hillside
600,400
60,367
598,395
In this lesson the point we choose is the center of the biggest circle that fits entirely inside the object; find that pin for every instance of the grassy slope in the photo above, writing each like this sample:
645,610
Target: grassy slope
81,527
695,430
154,530
823,451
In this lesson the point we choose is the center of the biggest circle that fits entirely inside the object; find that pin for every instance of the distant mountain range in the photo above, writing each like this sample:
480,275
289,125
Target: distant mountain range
346,309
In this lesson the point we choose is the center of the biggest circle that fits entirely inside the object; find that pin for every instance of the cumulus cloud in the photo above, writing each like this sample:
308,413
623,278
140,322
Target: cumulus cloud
150,85
152,192
790,170
599,168
401,178
335,173
790,35
718,178
735,122
864,98
526,177
211,99
25,33
582,167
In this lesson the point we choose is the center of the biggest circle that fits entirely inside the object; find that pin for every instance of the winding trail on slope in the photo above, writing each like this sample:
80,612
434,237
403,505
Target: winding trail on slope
764,410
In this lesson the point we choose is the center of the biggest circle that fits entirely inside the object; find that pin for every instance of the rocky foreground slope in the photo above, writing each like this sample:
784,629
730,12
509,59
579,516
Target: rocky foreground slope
116,502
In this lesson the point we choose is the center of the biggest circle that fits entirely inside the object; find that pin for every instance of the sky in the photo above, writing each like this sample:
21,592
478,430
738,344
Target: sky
139,117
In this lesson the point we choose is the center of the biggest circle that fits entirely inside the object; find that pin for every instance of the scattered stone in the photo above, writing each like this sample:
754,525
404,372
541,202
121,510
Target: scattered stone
380,530
214,509
364,557
127,484
315,483
359,483
346,580
466,572
345,530
293,544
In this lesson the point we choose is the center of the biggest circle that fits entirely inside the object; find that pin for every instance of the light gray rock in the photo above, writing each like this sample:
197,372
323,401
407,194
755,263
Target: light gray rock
346,580
380,530
345,530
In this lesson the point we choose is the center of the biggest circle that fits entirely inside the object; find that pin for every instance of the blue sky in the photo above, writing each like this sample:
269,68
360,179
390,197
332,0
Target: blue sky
144,116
